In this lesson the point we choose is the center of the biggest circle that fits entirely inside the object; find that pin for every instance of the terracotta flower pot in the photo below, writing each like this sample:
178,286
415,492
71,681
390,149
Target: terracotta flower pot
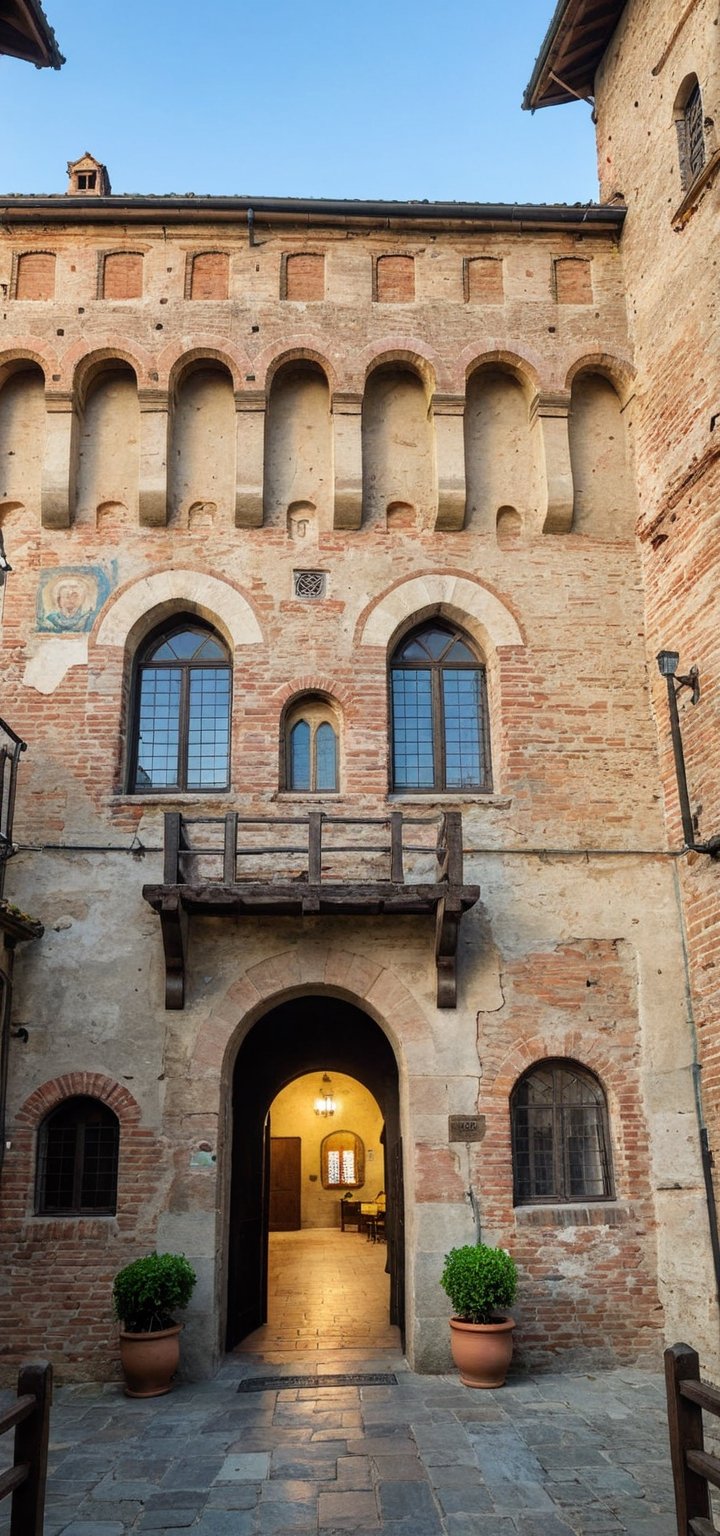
482,1351
149,1361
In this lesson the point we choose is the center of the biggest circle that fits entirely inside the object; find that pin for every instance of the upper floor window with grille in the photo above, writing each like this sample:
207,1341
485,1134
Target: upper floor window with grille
311,748
78,1160
440,735
561,1143
182,711
690,130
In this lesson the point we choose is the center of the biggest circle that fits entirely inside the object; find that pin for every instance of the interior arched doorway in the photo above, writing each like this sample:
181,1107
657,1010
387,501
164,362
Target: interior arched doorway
307,1034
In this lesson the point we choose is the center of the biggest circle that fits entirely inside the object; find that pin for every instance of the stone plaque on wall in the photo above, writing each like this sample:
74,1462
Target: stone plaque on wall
466,1127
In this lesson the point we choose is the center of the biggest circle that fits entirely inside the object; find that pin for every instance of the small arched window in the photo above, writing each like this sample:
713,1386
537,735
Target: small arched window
182,710
439,712
78,1160
311,748
561,1142
690,130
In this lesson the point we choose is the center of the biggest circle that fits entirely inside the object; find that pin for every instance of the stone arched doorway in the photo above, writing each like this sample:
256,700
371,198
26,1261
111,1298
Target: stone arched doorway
307,1034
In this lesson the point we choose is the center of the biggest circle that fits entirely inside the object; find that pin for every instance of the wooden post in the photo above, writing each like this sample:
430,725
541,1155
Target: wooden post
31,1447
230,849
171,866
685,1425
453,838
396,847
315,847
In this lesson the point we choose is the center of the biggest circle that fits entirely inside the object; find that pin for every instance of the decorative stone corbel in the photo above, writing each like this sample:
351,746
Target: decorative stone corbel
551,411
448,416
250,457
347,444
154,427
58,481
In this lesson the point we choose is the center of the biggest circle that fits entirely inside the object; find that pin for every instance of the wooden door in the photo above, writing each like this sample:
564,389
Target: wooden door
396,1235
284,1184
247,1251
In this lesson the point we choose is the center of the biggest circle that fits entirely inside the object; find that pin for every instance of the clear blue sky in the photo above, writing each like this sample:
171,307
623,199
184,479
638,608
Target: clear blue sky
355,98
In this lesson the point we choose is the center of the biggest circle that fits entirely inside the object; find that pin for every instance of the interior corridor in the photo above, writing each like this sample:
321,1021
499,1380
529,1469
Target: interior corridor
327,1290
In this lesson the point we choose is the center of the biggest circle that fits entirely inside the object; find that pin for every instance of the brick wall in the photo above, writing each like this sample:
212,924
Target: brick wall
58,1271
305,277
122,275
209,275
395,279
35,275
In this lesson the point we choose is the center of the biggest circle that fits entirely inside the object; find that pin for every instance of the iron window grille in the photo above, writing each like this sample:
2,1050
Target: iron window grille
438,707
694,135
78,1160
310,585
560,1136
181,737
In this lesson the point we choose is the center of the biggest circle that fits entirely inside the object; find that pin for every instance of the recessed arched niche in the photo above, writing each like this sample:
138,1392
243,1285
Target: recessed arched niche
509,527
108,445
397,446
501,461
22,435
603,492
201,468
298,445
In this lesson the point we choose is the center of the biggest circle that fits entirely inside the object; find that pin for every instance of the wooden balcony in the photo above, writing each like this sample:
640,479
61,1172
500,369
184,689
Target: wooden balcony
312,865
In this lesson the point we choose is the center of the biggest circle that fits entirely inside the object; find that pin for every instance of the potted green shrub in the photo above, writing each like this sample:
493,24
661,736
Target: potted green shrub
146,1295
481,1282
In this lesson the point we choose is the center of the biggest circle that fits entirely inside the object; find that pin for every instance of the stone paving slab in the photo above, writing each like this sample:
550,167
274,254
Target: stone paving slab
547,1455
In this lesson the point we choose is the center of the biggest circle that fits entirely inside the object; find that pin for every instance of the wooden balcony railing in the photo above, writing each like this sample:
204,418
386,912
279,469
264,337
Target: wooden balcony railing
308,865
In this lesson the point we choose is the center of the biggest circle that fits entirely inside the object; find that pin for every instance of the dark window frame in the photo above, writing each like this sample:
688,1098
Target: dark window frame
86,1107
690,126
561,1193
157,636
439,786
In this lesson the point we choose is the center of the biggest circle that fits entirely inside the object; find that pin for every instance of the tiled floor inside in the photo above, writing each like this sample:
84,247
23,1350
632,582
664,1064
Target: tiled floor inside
326,1290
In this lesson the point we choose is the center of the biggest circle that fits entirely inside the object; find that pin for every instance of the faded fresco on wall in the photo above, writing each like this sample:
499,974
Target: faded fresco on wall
70,598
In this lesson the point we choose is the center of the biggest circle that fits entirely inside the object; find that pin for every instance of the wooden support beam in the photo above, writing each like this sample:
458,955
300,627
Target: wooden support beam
174,924
447,927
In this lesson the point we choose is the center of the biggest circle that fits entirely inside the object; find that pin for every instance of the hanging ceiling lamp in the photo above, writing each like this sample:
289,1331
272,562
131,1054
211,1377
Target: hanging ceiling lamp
325,1103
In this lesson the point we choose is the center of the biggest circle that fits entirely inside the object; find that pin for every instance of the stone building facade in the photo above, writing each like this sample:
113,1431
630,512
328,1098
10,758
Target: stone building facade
375,472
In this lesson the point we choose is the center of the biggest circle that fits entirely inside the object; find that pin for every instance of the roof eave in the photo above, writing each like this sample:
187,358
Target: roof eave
35,40
585,26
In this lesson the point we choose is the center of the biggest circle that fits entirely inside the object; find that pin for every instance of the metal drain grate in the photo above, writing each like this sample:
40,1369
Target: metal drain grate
283,1383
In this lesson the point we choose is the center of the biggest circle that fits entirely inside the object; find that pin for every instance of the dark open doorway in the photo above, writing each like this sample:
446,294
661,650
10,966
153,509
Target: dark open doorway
309,1034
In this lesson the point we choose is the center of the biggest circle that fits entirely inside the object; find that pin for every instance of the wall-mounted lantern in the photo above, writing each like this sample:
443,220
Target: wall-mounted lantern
325,1103
668,664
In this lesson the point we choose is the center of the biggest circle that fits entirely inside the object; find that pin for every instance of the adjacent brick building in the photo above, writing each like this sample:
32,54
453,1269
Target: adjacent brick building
326,630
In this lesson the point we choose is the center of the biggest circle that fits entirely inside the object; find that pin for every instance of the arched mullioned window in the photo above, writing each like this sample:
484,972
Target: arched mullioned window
438,701
182,710
77,1168
560,1135
311,747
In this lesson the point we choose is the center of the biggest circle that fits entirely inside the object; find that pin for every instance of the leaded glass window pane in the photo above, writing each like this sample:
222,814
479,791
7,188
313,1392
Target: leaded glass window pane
325,758
561,1148
159,728
300,756
461,699
413,729
208,728
78,1160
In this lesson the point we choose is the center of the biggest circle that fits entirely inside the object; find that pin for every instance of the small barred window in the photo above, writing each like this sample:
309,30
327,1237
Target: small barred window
309,584
561,1142
78,1160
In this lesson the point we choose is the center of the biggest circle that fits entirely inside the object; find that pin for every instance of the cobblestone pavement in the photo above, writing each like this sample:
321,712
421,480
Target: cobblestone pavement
547,1455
